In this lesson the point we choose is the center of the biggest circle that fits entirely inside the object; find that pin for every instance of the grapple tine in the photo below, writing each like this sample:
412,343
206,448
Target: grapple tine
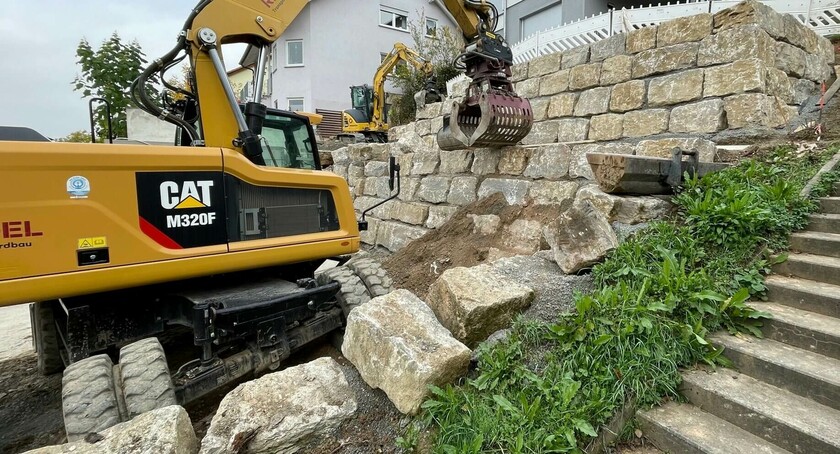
496,120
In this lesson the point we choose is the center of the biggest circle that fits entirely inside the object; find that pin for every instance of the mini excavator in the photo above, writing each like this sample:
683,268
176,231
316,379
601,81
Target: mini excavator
215,239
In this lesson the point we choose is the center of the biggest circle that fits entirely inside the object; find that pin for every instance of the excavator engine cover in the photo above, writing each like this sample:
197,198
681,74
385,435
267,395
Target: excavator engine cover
495,119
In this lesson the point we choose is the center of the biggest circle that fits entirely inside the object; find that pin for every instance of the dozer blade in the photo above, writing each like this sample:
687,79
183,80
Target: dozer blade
496,120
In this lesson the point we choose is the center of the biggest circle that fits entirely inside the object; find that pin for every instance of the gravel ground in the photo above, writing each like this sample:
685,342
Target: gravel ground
15,332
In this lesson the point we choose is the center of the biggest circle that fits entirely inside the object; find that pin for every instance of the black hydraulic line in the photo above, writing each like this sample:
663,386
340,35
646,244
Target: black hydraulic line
92,122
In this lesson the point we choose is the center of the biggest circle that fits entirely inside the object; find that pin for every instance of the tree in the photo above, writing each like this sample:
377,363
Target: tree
107,73
80,136
441,50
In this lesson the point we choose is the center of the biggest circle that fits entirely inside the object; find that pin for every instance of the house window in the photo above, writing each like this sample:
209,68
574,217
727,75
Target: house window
393,19
295,104
431,27
294,52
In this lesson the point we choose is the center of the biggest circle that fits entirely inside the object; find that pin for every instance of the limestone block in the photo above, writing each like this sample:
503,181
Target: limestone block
737,44
519,72
575,57
593,102
398,346
409,187
455,161
425,162
606,127
751,12
585,76
542,132
394,235
280,412
751,110
816,69
423,127
580,238
486,161
579,166
598,199
434,189
539,107
701,117
167,430
528,88
684,30
553,192
376,169
676,88
628,96
827,51
364,152
572,129
485,224
779,85
395,132
409,212
355,174
341,157
802,90
743,76
555,82
473,303
439,214
639,123
544,64
661,148
522,237
463,191
513,161
665,59
562,105
790,59
363,203
513,190
641,39
800,35
549,161
429,111
437,124
377,186
339,170
609,47
636,210
616,69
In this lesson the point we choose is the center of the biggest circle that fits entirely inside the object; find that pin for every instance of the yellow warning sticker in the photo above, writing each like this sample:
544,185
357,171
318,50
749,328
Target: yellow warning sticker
92,243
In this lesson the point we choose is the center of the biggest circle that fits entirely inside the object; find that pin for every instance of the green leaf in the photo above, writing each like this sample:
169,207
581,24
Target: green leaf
584,427
603,339
504,403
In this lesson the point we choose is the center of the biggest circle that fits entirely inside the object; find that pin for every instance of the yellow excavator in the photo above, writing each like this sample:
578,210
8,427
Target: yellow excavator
367,116
217,238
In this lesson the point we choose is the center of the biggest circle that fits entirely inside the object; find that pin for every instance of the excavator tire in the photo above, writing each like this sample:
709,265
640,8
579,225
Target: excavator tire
45,337
89,397
353,291
375,277
146,382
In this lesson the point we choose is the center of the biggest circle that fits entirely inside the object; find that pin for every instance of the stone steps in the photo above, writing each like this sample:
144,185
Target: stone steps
778,416
684,428
816,243
828,223
802,329
830,205
812,296
812,267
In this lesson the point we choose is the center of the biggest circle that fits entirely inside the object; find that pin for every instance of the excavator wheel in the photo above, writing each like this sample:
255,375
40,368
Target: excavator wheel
353,291
89,397
375,277
146,383
45,337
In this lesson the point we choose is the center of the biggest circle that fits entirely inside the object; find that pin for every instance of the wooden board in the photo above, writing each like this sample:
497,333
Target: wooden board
629,174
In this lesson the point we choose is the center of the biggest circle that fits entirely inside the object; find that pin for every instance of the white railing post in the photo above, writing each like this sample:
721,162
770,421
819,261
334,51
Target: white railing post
539,51
808,18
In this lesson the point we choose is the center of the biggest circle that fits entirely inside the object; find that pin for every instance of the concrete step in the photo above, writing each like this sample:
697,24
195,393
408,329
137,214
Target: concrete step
818,243
830,205
799,371
836,191
812,267
684,428
812,296
815,333
828,223
781,417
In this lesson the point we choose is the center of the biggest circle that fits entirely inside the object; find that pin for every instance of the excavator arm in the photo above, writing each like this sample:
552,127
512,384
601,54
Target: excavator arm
490,113
399,53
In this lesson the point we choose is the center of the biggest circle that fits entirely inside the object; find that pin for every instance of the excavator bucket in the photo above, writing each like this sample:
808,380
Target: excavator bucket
495,120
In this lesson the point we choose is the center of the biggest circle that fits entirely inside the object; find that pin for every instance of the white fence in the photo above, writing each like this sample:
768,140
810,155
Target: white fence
822,15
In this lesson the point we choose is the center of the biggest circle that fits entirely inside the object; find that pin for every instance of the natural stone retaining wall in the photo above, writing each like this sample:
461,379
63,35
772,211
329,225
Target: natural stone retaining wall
682,84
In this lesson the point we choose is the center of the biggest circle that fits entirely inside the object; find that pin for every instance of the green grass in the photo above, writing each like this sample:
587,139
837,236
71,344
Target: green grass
548,386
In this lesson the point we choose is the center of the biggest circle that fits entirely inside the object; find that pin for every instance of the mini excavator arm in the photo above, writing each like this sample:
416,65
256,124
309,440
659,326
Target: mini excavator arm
211,24
399,53
490,113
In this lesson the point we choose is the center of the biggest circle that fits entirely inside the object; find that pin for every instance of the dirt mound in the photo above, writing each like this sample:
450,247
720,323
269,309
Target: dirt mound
455,243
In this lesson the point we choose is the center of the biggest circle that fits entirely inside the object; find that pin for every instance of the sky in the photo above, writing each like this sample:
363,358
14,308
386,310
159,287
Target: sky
38,41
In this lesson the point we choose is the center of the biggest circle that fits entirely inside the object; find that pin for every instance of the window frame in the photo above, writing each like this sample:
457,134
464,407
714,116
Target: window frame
394,13
295,98
426,32
302,54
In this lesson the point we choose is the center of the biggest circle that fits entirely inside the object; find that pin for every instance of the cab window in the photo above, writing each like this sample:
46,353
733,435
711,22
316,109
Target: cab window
287,143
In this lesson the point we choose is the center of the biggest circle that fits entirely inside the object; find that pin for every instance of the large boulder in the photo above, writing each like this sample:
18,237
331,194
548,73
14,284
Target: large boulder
167,430
580,237
398,346
473,303
278,412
